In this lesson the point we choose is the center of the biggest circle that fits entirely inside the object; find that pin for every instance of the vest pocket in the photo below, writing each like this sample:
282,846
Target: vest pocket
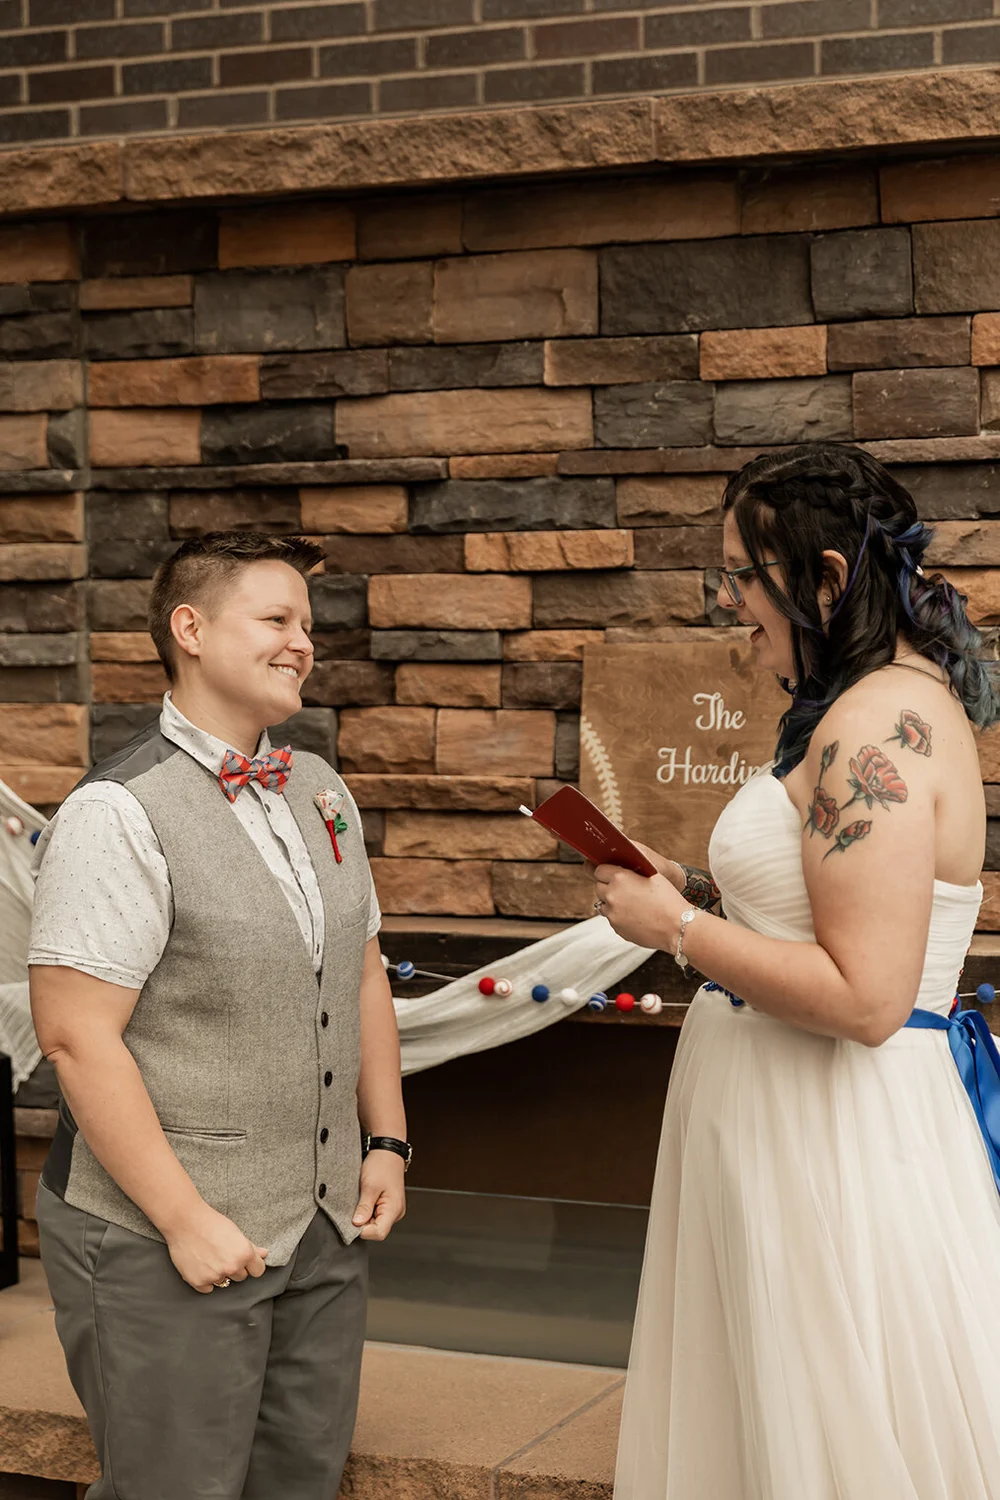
351,916
206,1156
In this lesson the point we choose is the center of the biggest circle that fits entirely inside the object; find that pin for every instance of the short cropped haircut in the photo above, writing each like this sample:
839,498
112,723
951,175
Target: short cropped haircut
202,569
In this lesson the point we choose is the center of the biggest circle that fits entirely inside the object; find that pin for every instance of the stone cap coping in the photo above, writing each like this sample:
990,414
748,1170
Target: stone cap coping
984,944
619,462
955,107
592,462
487,927
430,1422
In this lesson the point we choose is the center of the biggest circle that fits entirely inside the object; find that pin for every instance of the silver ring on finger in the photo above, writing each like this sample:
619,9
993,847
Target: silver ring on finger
223,1284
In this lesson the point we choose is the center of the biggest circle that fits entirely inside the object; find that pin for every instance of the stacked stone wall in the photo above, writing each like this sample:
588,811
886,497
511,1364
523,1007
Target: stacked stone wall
92,68
508,416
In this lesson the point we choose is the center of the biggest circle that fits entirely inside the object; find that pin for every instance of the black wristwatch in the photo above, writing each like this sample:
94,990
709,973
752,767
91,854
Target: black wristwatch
387,1143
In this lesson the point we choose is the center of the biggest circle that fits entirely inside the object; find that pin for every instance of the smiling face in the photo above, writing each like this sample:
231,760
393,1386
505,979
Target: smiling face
772,636
252,647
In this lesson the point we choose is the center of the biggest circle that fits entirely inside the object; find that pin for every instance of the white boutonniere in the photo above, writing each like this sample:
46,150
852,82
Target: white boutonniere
330,804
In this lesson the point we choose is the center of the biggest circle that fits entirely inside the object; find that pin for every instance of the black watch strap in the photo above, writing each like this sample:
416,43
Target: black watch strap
388,1143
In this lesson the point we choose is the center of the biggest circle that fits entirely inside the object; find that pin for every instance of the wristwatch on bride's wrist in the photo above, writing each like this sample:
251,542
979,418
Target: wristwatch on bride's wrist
686,918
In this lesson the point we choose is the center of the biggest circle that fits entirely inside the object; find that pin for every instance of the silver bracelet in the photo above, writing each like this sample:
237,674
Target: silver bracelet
686,917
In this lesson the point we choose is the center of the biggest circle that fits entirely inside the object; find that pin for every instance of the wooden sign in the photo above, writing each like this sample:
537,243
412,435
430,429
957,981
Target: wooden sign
669,732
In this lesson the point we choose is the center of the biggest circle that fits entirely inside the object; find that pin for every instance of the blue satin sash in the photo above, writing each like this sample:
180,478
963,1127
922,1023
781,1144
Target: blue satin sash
976,1057
978,1062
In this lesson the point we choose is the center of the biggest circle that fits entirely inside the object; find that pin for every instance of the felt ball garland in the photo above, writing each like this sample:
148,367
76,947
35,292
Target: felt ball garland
624,1003
985,993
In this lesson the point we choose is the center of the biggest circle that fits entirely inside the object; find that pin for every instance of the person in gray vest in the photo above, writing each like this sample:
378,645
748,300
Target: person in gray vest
206,977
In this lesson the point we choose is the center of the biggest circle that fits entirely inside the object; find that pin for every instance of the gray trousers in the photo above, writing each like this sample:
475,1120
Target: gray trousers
248,1393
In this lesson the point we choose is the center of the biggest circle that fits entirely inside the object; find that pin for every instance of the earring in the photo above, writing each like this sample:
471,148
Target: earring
827,598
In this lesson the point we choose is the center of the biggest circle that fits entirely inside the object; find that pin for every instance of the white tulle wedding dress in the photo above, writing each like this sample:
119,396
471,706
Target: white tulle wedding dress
819,1315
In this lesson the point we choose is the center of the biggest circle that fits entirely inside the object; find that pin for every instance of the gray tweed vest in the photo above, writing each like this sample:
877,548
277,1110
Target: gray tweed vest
251,1061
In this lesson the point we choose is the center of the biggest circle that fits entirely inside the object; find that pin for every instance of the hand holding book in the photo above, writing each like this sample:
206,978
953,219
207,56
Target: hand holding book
576,820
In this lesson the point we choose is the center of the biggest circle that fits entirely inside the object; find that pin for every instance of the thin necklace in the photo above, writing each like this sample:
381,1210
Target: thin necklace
906,666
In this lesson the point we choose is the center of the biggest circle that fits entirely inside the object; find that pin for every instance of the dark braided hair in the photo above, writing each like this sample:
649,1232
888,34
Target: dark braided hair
797,503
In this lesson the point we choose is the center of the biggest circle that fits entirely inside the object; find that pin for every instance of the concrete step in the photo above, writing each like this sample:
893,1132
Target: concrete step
431,1424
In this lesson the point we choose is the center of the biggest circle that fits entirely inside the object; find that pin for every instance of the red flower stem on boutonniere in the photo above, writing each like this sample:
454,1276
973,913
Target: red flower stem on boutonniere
333,840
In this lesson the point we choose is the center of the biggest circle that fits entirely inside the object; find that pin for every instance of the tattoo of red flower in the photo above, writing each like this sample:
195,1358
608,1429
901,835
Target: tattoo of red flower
700,889
824,815
912,731
875,779
849,835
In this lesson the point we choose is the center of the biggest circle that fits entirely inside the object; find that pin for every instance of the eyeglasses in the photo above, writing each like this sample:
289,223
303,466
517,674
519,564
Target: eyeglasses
729,577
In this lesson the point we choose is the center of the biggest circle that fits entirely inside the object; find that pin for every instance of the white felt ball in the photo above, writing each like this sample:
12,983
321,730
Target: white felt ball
14,825
385,961
569,996
651,1004
503,988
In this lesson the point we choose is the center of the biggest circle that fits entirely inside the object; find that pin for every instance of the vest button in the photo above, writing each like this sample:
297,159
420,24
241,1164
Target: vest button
324,1019
327,1079
322,1190
324,1136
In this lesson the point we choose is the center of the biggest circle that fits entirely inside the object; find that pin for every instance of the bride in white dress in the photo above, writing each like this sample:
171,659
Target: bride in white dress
819,1315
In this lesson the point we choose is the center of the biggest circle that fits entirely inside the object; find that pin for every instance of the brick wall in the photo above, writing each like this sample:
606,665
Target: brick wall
509,418
106,67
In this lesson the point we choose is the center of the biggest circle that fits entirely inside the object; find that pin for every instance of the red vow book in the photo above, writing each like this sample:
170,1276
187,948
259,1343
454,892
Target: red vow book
573,818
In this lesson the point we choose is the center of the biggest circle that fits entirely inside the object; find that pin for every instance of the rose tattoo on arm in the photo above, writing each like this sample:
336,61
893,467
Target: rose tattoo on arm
874,780
912,732
824,815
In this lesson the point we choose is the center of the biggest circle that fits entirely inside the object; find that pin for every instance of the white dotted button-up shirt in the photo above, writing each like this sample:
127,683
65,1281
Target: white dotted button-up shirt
103,902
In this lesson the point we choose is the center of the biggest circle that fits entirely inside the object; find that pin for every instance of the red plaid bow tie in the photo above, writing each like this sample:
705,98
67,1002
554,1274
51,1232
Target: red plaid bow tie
271,771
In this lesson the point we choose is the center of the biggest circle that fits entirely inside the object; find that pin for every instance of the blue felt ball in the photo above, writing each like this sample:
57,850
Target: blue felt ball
540,992
36,835
986,994
598,1001
405,969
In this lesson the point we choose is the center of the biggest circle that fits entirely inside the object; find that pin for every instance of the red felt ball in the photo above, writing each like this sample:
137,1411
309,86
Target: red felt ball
624,1001
487,986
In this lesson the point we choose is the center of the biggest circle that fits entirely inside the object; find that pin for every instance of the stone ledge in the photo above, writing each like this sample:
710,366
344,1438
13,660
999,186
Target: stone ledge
430,1423
42,481
944,107
35,1124
947,107
348,471
573,462
717,460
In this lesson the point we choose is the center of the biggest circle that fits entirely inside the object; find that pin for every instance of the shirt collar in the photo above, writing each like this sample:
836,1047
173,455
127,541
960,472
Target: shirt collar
199,744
